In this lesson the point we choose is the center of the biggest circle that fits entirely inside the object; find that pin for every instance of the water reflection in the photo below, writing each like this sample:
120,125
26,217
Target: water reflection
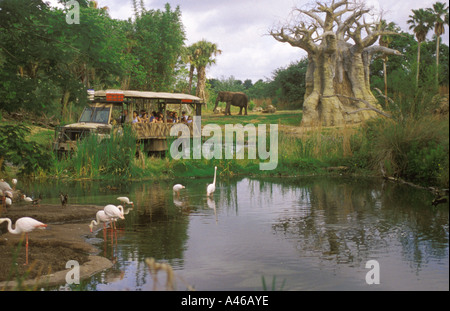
312,233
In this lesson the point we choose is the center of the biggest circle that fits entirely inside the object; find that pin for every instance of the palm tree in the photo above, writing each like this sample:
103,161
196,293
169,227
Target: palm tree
439,14
188,57
385,40
202,57
420,23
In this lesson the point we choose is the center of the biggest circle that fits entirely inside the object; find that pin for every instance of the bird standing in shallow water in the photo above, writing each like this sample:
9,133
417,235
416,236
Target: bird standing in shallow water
100,217
24,225
114,213
177,188
125,200
212,187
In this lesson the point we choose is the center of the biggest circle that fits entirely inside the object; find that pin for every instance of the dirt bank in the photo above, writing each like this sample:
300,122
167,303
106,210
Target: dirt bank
49,249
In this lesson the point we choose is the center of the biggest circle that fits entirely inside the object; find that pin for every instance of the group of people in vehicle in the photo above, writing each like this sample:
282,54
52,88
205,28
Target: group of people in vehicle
156,117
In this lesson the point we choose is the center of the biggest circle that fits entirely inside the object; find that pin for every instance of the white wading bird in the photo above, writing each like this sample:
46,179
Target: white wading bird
100,217
212,187
27,199
114,213
125,200
177,188
24,225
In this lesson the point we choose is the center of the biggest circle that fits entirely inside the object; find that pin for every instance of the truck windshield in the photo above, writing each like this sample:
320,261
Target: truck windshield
95,115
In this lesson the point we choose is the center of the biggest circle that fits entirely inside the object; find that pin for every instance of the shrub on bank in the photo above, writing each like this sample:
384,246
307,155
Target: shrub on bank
413,149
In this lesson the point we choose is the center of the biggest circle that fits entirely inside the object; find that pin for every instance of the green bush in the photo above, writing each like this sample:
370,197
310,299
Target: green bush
426,163
30,157
415,149
109,158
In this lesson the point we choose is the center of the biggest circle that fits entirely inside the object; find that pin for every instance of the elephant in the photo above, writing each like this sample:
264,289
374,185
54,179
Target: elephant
237,99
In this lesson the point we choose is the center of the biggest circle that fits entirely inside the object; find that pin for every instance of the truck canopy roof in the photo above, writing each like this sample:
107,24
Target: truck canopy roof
172,97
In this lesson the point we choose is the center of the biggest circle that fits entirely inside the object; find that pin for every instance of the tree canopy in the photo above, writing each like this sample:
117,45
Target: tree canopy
46,63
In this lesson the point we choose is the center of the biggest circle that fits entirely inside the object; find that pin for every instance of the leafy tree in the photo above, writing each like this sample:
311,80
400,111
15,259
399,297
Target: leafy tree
247,84
290,83
24,46
159,39
28,156
46,60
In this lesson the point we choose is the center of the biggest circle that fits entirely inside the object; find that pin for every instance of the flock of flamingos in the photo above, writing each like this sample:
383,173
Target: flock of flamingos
110,212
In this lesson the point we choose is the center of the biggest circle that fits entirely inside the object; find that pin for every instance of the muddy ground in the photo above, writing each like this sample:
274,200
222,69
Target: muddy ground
49,249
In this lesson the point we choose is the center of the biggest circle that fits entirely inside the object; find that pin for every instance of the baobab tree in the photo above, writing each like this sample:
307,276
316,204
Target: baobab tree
339,39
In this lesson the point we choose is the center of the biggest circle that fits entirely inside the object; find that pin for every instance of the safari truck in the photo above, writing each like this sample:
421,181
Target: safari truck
105,112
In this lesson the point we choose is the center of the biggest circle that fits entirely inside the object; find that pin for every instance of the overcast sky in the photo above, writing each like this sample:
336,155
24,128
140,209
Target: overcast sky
240,29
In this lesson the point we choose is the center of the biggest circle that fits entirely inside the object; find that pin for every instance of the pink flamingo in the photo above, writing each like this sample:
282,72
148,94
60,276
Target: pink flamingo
114,212
125,200
100,217
24,225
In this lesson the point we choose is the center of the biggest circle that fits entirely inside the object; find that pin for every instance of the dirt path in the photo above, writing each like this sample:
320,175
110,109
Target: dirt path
49,249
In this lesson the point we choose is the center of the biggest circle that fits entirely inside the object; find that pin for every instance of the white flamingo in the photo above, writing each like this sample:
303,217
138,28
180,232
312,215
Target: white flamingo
212,187
100,217
114,212
24,225
125,200
5,190
5,186
120,207
27,199
177,188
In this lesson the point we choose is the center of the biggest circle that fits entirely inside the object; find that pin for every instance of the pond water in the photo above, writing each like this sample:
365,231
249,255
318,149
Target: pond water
295,233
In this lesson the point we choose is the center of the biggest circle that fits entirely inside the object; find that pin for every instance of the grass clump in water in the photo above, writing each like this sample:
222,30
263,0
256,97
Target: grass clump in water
112,157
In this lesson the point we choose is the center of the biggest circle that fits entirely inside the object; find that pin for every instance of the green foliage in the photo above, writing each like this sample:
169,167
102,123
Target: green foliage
41,79
30,157
99,52
290,85
286,88
426,163
414,149
157,42
110,158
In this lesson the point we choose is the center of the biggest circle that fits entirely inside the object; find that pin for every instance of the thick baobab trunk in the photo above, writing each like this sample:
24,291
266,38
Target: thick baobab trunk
337,84
337,79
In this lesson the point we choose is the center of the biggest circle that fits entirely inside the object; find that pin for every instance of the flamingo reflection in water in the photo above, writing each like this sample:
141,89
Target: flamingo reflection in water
212,205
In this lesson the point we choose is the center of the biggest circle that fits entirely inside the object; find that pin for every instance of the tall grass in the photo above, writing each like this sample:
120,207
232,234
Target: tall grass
315,149
413,145
413,149
113,157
